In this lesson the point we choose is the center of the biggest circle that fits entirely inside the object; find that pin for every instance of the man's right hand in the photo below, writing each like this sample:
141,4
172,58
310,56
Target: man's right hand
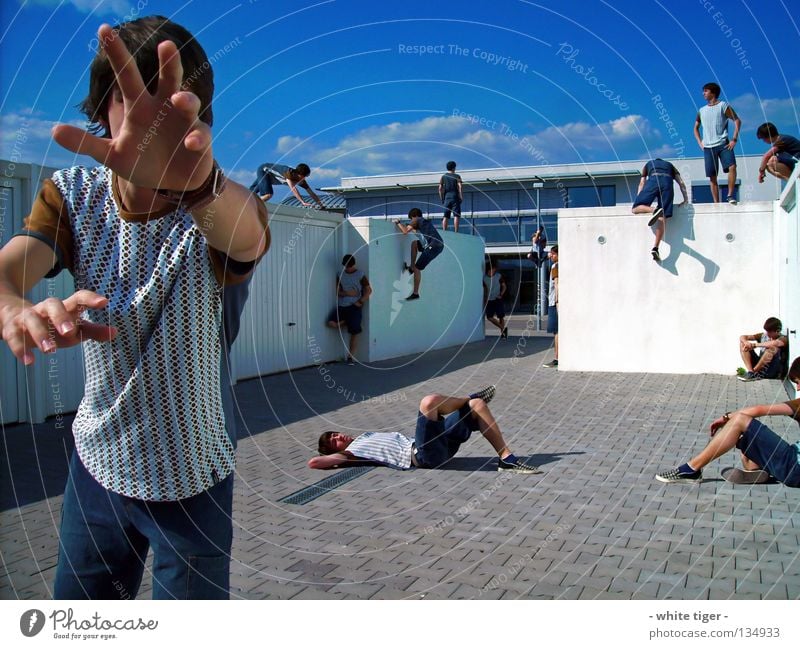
52,324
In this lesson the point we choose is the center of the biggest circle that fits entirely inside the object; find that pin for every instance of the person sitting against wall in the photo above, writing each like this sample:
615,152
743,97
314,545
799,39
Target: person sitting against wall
764,354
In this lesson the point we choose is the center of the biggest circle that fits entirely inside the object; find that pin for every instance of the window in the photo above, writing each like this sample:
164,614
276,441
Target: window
592,196
702,193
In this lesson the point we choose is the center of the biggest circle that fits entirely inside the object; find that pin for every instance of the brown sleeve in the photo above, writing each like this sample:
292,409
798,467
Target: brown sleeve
554,273
49,222
229,271
794,404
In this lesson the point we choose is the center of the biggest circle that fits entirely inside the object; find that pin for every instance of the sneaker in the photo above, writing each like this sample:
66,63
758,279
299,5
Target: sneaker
517,466
676,476
413,296
656,215
750,376
732,201
553,363
504,333
656,256
487,394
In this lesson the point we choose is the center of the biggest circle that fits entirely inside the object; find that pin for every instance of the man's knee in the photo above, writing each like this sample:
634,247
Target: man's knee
478,405
429,406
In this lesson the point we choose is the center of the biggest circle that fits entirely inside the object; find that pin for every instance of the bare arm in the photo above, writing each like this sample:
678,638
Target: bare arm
737,126
460,192
441,189
50,324
366,290
311,193
682,185
329,461
697,131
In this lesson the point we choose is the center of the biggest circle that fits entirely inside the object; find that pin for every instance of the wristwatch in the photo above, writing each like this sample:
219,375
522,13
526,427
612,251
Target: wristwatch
207,193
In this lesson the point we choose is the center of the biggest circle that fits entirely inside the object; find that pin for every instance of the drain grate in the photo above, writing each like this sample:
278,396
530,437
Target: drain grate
314,491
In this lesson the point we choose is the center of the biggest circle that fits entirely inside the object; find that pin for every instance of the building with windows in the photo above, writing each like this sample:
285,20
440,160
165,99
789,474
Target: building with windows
504,206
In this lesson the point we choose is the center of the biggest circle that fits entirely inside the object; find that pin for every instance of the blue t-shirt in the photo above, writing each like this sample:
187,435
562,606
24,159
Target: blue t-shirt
426,228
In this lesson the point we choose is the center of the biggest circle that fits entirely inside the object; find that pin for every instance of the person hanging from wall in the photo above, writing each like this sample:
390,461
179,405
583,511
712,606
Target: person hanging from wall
427,239
293,177
656,185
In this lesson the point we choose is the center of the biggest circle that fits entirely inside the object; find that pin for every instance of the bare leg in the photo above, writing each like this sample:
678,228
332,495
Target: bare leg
455,223
661,229
748,464
444,223
488,427
712,181
414,269
353,345
497,323
778,169
732,181
643,209
747,356
335,325
265,197
555,346
723,441
765,359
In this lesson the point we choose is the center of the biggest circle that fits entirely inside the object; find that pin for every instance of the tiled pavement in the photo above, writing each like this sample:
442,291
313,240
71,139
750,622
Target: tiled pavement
595,524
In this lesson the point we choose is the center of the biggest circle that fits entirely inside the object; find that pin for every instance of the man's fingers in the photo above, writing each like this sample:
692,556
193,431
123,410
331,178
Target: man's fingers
86,299
170,70
98,332
53,309
79,141
129,80
35,327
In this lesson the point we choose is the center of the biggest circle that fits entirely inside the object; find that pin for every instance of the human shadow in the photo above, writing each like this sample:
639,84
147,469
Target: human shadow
680,229
473,464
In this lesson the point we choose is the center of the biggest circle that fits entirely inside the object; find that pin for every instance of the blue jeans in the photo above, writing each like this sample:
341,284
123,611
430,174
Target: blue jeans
105,537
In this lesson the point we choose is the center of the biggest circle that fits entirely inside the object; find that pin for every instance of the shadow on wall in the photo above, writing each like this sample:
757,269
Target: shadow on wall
677,236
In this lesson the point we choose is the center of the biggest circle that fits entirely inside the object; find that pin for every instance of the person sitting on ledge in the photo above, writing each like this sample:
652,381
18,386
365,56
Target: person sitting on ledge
763,450
443,425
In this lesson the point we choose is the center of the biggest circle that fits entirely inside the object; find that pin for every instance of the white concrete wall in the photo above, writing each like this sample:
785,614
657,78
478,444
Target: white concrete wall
449,309
622,312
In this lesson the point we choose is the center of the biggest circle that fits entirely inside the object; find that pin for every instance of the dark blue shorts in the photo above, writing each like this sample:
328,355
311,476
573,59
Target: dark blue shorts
786,158
263,183
451,205
552,319
716,154
659,189
771,371
428,255
771,452
438,441
495,308
350,315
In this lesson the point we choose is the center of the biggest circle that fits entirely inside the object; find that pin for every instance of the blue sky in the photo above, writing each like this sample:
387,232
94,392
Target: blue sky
362,88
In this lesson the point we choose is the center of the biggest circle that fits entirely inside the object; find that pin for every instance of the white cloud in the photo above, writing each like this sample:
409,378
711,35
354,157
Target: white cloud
26,137
784,113
428,143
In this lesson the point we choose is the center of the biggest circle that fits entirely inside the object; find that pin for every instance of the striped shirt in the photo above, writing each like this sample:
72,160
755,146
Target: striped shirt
391,449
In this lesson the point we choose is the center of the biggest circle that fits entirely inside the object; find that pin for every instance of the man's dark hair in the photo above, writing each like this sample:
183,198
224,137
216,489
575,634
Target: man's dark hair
767,129
794,370
142,37
554,249
773,324
324,445
415,213
303,169
451,166
348,261
713,87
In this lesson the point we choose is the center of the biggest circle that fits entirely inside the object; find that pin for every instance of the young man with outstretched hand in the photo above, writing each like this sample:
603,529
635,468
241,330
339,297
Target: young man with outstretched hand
161,247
